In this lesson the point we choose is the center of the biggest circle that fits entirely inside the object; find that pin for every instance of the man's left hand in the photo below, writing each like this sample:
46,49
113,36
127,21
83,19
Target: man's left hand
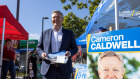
68,54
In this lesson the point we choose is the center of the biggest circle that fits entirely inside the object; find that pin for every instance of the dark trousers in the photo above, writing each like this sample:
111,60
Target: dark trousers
55,73
8,65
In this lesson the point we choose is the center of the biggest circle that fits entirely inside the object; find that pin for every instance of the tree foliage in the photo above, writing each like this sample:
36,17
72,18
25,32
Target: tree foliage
76,24
91,5
93,66
71,21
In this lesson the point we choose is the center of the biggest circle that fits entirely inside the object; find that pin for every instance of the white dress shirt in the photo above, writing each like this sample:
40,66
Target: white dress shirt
56,40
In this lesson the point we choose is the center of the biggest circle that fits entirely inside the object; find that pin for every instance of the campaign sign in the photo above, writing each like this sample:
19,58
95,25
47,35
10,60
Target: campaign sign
121,41
81,71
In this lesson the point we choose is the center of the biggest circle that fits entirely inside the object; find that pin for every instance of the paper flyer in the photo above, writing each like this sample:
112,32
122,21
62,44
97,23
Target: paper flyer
58,57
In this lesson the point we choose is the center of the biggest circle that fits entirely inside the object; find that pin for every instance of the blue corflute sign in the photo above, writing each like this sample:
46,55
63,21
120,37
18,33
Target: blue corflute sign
127,40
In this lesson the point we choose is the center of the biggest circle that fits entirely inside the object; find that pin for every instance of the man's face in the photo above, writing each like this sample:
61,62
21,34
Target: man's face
102,31
9,43
57,20
110,68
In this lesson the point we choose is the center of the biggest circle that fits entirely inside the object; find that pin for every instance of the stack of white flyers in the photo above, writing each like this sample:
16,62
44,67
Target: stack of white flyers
58,57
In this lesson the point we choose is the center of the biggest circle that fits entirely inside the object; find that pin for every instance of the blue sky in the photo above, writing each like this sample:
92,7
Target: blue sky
32,11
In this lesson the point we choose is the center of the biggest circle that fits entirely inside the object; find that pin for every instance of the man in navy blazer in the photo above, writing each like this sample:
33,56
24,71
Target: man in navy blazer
55,40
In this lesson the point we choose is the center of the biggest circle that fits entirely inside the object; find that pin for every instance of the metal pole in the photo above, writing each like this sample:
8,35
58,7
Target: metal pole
17,15
17,18
4,20
27,61
43,25
116,15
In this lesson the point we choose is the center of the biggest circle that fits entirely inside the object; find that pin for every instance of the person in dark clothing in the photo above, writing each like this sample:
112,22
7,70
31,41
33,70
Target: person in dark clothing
56,39
33,59
102,29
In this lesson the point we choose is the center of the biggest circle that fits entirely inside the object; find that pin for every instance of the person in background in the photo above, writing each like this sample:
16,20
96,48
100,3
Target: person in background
8,59
110,66
101,29
54,40
33,59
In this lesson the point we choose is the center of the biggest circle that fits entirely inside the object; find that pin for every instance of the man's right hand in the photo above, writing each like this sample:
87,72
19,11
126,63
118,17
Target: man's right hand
43,55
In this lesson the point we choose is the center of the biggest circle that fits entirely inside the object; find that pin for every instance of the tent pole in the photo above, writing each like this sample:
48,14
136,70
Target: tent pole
2,44
116,15
27,61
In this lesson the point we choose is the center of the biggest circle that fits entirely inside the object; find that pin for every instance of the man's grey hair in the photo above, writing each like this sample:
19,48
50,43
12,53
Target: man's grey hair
110,54
57,11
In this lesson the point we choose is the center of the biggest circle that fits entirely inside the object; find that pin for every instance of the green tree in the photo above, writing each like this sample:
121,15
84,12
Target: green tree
74,23
71,21
133,63
93,66
91,5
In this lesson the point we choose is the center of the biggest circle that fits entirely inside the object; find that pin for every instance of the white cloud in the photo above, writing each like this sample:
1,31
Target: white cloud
34,36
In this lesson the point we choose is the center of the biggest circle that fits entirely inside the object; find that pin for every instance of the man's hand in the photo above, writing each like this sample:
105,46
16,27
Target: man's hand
43,55
68,54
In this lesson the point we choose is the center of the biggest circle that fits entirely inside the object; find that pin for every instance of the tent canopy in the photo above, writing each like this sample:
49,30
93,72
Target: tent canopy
13,29
81,40
104,16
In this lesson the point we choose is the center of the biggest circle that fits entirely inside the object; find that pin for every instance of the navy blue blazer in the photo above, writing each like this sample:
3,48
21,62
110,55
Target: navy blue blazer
68,44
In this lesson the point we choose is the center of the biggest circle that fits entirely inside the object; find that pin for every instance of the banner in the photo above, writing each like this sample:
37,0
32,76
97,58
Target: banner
120,41
31,43
81,71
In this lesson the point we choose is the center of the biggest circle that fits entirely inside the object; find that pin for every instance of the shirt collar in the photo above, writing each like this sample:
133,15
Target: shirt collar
60,30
